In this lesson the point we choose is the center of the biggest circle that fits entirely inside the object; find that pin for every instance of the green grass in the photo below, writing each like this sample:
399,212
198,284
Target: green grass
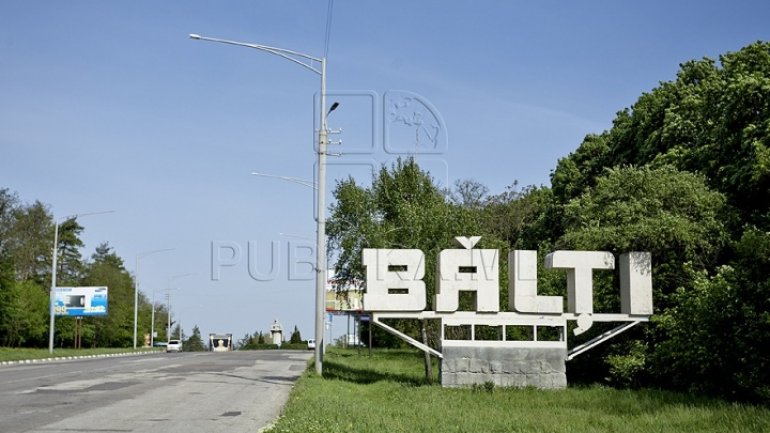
12,354
387,394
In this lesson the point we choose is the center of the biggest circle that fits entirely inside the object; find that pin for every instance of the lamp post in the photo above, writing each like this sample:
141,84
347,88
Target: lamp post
136,285
168,289
308,62
168,324
52,294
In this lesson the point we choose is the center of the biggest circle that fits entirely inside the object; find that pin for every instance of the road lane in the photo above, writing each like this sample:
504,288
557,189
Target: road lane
186,392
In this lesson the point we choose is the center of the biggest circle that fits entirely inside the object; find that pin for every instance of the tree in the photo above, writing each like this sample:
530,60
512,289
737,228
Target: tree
30,241
8,202
194,343
711,120
684,173
404,208
69,263
669,213
106,268
296,338
717,340
469,193
247,342
25,314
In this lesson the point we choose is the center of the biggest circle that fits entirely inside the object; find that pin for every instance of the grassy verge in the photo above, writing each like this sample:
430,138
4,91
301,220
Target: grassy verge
387,393
10,354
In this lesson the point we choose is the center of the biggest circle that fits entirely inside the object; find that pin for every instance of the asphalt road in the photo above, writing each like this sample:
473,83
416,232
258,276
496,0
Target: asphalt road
179,392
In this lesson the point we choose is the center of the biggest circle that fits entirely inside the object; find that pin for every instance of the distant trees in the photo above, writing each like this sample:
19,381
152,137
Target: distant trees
262,340
26,248
26,243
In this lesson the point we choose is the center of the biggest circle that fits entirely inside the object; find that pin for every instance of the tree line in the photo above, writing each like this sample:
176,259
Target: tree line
26,253
683,173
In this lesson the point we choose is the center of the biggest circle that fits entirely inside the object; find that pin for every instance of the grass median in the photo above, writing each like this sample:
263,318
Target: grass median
388,393
12,354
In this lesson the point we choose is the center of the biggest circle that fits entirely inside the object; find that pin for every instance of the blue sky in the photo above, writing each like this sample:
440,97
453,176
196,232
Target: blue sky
110,106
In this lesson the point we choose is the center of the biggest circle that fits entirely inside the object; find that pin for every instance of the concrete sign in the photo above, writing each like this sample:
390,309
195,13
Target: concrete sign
487,344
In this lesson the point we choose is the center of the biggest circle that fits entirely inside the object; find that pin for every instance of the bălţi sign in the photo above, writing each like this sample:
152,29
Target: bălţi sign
395,289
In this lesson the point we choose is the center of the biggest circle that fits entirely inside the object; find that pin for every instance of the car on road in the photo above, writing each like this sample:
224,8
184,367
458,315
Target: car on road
174,346
310,344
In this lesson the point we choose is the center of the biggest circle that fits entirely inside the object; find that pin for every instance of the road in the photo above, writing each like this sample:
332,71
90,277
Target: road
178,392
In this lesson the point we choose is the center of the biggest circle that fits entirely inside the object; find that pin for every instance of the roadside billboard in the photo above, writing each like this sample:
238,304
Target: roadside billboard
342,296
81,301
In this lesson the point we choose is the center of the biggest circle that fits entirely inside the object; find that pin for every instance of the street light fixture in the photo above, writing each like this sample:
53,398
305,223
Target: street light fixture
136,285
52,294
152,320
308,62
292,179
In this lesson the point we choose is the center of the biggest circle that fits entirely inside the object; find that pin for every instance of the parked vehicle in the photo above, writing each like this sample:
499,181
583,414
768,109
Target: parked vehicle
174,346
310,344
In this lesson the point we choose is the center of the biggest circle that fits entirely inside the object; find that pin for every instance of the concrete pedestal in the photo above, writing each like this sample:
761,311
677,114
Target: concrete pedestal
537,367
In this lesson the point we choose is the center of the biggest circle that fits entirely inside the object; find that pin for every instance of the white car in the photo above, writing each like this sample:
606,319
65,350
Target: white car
174,346
310,344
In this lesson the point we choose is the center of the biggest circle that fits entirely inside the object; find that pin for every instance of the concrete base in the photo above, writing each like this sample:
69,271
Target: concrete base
543,368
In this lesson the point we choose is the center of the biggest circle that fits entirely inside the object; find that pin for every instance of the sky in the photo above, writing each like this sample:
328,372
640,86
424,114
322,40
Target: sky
111,106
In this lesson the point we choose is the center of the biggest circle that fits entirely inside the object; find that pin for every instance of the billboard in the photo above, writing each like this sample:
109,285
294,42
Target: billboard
342,296
81,301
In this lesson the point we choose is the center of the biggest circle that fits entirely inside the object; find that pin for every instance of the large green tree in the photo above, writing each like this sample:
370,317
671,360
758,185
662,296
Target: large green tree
684,173
24,314
404,208
106,268
671,214
30,241
713,119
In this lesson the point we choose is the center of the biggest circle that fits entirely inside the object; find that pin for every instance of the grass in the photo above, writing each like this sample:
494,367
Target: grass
12,354
387,393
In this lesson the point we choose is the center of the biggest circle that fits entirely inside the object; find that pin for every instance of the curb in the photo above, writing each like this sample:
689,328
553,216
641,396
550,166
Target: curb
72,358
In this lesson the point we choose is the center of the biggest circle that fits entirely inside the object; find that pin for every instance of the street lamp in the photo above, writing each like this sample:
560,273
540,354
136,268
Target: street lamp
52,294
136,285
168,325
308,62
168,289
292,179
